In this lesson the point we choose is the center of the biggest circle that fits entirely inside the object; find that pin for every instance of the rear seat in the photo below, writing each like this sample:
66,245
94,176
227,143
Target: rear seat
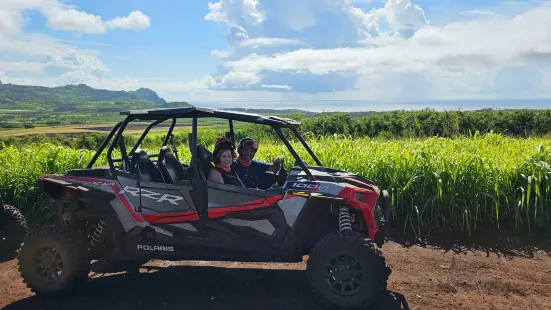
171,169
142,165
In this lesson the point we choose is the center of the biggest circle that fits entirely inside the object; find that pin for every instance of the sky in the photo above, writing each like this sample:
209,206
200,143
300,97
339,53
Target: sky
309,54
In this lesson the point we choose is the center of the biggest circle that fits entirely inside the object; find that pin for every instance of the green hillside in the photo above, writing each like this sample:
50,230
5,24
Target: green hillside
23,106
73,98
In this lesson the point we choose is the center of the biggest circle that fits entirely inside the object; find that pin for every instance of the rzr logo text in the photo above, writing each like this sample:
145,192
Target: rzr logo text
152,195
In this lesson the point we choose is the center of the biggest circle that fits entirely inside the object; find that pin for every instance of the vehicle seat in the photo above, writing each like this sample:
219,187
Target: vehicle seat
142,165
172,170
204,161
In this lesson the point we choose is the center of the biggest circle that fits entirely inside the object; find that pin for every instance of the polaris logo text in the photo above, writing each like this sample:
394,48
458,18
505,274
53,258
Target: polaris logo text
161,248
310,186
152,195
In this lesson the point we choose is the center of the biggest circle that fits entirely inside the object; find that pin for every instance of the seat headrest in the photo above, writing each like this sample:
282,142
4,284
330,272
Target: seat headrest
164,152
138,155
203,154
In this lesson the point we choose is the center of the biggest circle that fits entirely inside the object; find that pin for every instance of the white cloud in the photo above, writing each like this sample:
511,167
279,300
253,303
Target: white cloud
216,14
34,58
64,18
77,61
219,54
477,45
239,79
135,21
403,15
233,12
480,13
367,23
20,66
236,35
256,42
10,21
61,16
277,86
69,19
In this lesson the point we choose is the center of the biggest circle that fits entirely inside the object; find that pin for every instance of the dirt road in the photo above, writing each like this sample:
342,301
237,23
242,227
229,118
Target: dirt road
428,277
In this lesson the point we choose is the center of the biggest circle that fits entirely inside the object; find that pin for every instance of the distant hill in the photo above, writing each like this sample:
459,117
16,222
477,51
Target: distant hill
73,97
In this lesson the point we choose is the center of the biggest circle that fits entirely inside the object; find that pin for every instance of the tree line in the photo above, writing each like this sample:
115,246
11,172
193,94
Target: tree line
430,123
395,124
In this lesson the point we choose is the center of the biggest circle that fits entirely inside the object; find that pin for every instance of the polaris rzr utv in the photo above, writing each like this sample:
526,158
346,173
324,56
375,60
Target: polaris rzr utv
139,208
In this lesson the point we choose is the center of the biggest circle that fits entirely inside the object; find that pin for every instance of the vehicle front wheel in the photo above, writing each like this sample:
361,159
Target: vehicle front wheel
53,261
347,270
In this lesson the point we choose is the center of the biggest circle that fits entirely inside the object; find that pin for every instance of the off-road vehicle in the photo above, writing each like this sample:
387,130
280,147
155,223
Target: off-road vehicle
13,229
137,208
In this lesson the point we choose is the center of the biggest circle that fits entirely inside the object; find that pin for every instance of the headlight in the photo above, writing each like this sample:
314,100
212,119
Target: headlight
360,197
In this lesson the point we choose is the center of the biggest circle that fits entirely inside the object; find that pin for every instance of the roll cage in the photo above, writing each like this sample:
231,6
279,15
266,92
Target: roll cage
159,116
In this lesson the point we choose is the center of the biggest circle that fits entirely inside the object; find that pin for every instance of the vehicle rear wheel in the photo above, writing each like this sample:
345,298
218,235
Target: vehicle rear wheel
347,270
53,261
13,229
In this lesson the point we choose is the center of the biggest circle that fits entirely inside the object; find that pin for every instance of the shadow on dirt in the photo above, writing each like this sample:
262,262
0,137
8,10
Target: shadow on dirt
5,257
502,244
187,287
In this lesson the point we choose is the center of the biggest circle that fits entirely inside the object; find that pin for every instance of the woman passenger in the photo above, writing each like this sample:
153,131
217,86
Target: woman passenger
223,156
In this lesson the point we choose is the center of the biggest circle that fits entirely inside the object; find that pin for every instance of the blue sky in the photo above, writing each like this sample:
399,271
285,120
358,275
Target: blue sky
284,53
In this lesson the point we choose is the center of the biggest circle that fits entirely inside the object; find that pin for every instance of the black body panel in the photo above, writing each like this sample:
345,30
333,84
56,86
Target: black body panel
256,231
100,173
224,240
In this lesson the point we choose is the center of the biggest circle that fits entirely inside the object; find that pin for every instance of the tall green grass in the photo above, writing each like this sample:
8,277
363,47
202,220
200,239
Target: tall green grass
20,168
457,185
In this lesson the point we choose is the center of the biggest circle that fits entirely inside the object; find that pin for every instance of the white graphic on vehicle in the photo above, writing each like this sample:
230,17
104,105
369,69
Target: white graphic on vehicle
152,195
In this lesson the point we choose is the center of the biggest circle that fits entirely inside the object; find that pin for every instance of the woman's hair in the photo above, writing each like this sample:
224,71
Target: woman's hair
222,145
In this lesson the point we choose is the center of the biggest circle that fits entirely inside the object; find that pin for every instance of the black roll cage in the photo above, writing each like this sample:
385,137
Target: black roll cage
118,129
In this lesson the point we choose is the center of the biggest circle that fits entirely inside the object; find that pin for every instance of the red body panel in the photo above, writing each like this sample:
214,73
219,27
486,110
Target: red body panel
366,208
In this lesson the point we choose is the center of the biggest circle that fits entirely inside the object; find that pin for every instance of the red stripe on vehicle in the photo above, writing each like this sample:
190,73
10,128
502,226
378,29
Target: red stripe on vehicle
247,206
162,218
126,203
137,217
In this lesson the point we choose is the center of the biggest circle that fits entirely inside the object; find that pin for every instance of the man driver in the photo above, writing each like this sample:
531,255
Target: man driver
252,172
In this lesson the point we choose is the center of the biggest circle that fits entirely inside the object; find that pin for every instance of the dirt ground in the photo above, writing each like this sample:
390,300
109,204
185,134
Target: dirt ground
429,277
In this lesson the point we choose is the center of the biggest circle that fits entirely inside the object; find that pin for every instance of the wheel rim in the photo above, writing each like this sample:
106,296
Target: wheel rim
47,264
344,275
